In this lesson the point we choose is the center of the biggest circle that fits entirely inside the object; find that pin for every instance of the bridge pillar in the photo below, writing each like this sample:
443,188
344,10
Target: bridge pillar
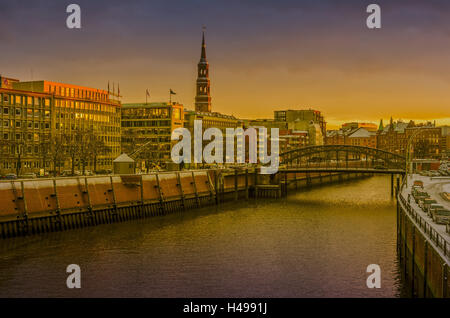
398,185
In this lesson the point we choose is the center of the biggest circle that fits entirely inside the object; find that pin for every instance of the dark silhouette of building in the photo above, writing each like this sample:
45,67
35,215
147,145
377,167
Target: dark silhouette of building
203,96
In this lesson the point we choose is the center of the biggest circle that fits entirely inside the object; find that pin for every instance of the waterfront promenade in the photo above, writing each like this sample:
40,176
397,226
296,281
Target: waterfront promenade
423,245
436,232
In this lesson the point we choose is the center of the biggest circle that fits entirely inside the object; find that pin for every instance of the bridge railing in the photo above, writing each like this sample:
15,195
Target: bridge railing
344,164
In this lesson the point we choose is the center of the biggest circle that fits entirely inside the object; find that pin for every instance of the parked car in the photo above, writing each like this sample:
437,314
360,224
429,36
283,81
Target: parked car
427,203
418,183
441,216
66,173
10,176
29,175
434,206
420,195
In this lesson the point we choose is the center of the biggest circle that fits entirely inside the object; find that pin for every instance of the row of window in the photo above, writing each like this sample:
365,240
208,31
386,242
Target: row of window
155,140
84,116
29,111
23,124
146,123
76,92
20,136
146,112
62,103
9,99
163,131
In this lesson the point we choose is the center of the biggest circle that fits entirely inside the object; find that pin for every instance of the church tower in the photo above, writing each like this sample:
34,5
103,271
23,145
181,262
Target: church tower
203,97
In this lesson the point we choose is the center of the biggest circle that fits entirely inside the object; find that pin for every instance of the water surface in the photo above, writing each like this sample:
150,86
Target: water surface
315,243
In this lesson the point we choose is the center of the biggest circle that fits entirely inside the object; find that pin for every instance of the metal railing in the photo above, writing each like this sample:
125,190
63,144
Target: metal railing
429,231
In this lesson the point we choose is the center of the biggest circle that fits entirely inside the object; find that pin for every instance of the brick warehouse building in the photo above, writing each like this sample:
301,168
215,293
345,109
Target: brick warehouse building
429,140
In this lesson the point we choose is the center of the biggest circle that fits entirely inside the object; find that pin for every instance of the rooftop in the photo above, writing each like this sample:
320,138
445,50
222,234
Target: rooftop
148,105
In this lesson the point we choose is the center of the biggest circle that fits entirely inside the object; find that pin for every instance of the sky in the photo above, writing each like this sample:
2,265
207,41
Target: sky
264,55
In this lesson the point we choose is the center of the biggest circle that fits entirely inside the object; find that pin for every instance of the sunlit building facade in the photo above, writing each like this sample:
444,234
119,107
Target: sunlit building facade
147,129
35,113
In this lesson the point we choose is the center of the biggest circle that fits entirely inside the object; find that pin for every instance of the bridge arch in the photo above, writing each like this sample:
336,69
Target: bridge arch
342,156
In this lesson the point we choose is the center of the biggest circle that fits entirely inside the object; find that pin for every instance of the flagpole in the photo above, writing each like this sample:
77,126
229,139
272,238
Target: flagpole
170,97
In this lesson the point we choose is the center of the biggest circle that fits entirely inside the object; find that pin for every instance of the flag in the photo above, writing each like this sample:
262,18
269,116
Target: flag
172,92
147,93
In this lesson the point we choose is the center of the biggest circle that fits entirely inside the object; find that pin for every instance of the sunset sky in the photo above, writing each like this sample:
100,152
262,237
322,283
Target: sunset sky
263,55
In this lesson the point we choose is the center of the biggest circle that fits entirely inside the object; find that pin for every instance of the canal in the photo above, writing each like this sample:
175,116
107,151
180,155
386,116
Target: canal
314,243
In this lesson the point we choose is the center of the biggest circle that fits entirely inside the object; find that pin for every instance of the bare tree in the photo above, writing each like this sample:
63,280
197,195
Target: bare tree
45,149
19,150
71,147
97,148
5,148
83,139
57,151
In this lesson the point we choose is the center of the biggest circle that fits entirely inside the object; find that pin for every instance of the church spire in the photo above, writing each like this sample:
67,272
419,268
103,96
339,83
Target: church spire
380,127
203,55
203,97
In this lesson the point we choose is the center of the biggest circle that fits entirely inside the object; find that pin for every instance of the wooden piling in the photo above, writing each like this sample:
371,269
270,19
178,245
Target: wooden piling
194,183
236,190
216,186
246,184
183,200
